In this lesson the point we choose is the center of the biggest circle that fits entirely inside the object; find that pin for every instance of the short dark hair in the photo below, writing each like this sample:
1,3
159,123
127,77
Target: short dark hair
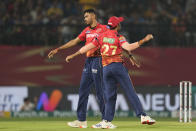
26,99
90,11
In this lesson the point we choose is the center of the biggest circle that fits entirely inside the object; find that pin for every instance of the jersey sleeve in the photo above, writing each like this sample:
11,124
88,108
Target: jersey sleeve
82,35
122,40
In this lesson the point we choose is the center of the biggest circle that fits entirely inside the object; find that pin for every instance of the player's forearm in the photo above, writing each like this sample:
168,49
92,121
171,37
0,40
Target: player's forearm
135,45
79,52
130,47
86,48
76,54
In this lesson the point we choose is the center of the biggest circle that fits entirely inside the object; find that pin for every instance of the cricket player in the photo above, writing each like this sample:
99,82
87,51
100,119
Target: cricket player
111,44
92,71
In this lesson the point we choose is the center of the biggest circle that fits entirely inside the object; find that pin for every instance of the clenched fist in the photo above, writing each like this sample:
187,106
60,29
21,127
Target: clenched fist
148,37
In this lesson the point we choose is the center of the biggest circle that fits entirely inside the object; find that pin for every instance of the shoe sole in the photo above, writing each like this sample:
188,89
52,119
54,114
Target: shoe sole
147,122
150,123
77,126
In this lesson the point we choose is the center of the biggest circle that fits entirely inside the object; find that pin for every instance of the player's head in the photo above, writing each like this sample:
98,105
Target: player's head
89,16
26,100
114,22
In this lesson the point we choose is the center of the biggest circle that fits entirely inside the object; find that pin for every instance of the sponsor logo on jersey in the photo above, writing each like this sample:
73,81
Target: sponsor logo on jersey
91,35
109,40
84,69
88,31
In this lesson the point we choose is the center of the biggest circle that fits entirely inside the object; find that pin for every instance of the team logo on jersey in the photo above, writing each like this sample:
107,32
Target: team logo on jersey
88,31
109,40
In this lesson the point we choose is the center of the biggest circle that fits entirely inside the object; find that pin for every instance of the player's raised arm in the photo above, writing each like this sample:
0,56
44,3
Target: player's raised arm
69,44
82,50
135,45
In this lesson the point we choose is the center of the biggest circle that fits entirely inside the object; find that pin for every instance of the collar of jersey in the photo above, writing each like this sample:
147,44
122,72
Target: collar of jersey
94,27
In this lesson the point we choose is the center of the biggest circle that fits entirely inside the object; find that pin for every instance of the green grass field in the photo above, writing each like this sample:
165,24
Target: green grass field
60,124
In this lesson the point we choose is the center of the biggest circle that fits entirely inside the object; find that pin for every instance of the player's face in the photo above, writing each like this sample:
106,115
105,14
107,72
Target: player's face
88,18
119,26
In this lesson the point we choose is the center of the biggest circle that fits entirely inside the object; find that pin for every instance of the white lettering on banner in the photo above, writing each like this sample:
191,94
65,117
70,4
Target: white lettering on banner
121,103
157,102
168,104
150,102
92,102
146,104
11,98
74,101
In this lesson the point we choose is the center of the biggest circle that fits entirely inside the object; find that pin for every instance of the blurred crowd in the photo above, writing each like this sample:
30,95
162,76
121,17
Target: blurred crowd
50,22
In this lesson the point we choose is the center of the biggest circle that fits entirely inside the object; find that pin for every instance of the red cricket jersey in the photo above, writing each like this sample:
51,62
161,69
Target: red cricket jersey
89,34
110,43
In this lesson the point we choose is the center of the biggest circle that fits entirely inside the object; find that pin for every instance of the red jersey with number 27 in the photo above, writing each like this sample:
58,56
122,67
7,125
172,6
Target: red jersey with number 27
89,34
110,43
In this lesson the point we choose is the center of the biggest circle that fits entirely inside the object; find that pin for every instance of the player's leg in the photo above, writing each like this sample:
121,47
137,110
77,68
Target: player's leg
110,100
84,90
110,93
122,75
85,83
110,90
97,73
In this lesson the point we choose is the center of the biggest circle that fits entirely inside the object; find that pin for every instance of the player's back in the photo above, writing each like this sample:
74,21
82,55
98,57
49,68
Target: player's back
111,50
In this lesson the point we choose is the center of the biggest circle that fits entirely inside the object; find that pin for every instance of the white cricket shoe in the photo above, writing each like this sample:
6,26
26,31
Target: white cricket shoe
104,125
77,124
98,125
147,120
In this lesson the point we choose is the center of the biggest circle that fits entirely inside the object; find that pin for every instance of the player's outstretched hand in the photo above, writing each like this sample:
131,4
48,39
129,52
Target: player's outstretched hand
52,53
148,37
134,62
68,58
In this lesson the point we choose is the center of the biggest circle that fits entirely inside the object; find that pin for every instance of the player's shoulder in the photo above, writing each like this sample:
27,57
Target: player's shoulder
86,30
102,28
121,37
104,33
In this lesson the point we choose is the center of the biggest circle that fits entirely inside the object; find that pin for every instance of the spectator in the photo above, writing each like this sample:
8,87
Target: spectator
48,21
28,105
